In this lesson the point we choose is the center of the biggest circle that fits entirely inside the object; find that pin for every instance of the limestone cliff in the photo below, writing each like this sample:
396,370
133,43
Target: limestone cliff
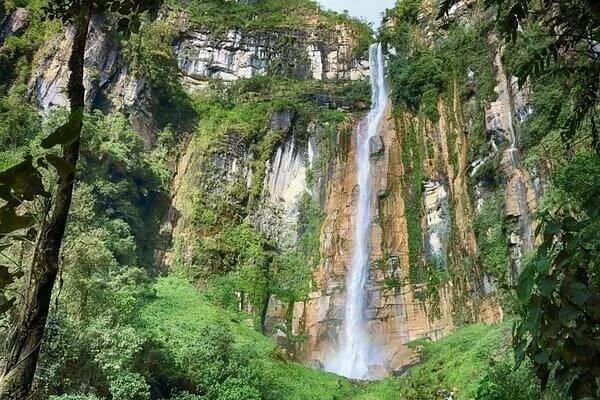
237,54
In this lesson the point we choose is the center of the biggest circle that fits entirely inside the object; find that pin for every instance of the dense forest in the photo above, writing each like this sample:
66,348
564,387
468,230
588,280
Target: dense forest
178,190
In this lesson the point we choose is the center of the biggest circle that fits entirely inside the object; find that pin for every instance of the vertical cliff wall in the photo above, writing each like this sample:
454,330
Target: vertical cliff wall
400,310
503,118
437,242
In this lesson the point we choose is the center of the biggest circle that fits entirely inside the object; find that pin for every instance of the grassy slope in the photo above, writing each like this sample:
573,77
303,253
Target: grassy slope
179,312
457,361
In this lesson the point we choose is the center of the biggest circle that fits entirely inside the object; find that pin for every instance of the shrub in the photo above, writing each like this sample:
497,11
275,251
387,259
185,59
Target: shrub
129,387
491,237
416,80
502,381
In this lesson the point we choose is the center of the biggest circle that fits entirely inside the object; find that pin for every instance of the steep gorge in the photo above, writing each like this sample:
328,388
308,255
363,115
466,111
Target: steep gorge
260,137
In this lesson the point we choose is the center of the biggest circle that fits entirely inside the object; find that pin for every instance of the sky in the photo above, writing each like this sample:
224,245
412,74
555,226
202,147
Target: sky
368,9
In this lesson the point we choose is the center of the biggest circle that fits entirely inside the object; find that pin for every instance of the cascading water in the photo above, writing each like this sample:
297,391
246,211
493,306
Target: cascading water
526,237
356,352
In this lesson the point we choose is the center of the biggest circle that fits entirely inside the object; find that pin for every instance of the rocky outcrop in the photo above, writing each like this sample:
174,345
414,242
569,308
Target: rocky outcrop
112,86
503,117
13,23
244,54
285,184
376,147
214,170
437,215
396,315
201,56
107,80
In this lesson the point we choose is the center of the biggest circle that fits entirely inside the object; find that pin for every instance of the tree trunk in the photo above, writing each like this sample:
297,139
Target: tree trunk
25,338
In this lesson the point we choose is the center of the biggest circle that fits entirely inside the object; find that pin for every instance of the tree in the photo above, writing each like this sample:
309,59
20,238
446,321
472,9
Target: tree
560,288
23,183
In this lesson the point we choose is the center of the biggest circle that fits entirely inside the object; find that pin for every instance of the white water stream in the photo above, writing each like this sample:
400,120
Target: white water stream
356,351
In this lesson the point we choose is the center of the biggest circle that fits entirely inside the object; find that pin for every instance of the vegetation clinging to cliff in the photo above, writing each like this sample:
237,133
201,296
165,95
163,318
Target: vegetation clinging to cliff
424,69
450,71
271,16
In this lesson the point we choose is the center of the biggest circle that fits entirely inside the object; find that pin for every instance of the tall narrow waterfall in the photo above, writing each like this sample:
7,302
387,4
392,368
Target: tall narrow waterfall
356,351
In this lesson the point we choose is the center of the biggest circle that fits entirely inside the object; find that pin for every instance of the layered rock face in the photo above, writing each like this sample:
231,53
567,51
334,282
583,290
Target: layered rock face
239,54
277,212
503,117
107,80
397,311
438,226
202,56
284,186
394,315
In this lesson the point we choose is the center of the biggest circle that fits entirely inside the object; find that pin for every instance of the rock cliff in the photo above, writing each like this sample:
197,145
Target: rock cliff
239,54
426,275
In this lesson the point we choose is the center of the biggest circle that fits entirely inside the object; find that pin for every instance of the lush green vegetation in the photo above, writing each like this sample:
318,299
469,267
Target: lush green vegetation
421,72
181,343
180,320
20,123
117,330
463,365
474,362
274,15
115,214
491,233
559,287
412,158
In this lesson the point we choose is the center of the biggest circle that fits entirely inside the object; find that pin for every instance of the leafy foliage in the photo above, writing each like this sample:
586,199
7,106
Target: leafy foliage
128,10
89,336
559,289
491,235
417,81
502,381
223,351
421,72
23,182
558,38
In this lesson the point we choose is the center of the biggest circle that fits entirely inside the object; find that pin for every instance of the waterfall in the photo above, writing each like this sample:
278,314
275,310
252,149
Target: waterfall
355,351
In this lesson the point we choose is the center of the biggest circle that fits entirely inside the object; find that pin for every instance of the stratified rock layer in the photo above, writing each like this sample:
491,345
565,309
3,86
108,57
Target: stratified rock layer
243,54
396,315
